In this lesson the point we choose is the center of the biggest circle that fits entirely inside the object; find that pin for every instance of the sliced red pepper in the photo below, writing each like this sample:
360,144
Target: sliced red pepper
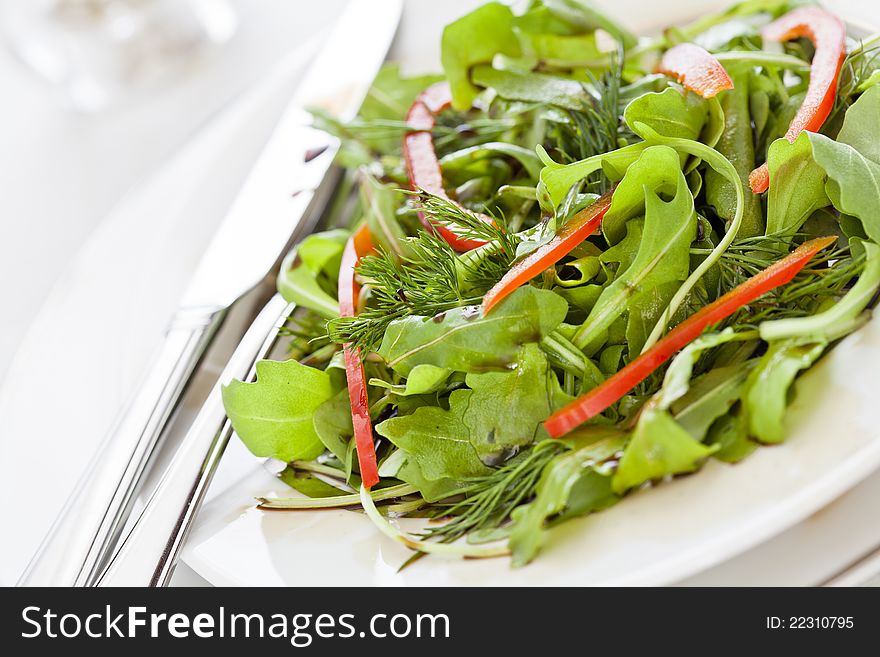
575,231
602,396
828,34
358,245
422,165
696,69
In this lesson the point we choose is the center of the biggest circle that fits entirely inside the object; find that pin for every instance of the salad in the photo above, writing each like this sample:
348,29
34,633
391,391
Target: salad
574,265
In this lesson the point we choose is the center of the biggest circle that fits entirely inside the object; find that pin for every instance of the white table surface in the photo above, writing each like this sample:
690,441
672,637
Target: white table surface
62,173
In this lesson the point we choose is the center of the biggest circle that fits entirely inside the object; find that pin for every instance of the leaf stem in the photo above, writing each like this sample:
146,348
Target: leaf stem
337,501
455,549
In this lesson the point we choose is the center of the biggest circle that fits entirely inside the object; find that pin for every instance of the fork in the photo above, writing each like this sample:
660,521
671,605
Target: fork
148,553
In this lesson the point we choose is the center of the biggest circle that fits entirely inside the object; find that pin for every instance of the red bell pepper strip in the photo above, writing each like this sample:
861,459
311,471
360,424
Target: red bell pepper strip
696,69
358,245
828,34
422,165
575,231
602,396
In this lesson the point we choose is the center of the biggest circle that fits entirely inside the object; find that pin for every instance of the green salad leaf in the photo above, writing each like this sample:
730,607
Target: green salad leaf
852,162
463,339
308,273
663,257
797,185
574,481
475,39
765,394
669,113
659,447
486,423
274,416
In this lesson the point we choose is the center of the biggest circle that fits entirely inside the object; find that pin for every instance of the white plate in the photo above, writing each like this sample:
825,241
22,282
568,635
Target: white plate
653,537
57,403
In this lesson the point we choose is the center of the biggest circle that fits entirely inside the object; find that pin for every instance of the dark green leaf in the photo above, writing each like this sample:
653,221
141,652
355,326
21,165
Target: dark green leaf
463,339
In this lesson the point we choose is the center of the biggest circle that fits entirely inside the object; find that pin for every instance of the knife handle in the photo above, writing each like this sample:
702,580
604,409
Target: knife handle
147,555
77,546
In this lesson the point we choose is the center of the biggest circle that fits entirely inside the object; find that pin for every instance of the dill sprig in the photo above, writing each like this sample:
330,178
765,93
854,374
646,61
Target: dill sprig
425,283
825,277
307,332
598,128
489,500
431,278
468,224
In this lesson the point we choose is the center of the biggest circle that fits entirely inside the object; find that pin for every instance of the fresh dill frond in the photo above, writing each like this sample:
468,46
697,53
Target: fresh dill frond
597,129
488,501
455,130
468,224
426,282
307,332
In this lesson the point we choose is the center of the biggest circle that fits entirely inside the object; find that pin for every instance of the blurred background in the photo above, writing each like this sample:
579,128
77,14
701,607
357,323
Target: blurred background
107,103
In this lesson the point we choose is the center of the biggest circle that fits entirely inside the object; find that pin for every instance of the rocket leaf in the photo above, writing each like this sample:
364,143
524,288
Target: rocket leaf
274,415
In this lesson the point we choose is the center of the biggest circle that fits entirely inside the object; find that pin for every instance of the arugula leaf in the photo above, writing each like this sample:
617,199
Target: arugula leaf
656,168
274,415
852,163
533,87
731,434
431,490
663,257
475,39
556,179
709,397
332,423
584,16
423,379
437,440
573,479
310,270
503,410
307,484
565,51
485,424
669,113
797,185
765,394
677,380
392,93
466,156
723,166
658,447
463,339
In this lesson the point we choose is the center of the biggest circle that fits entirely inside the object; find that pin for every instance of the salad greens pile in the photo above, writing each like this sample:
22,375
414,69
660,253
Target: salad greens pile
557,117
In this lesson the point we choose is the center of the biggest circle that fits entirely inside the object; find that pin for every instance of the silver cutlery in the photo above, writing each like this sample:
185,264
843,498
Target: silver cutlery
278,204
147,554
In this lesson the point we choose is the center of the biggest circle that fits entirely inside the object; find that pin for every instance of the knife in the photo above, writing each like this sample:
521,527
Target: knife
278,204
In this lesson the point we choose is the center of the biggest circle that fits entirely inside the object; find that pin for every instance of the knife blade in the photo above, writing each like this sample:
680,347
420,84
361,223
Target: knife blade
276,205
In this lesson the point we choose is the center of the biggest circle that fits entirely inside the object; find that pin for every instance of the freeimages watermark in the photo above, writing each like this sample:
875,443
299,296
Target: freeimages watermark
299,629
